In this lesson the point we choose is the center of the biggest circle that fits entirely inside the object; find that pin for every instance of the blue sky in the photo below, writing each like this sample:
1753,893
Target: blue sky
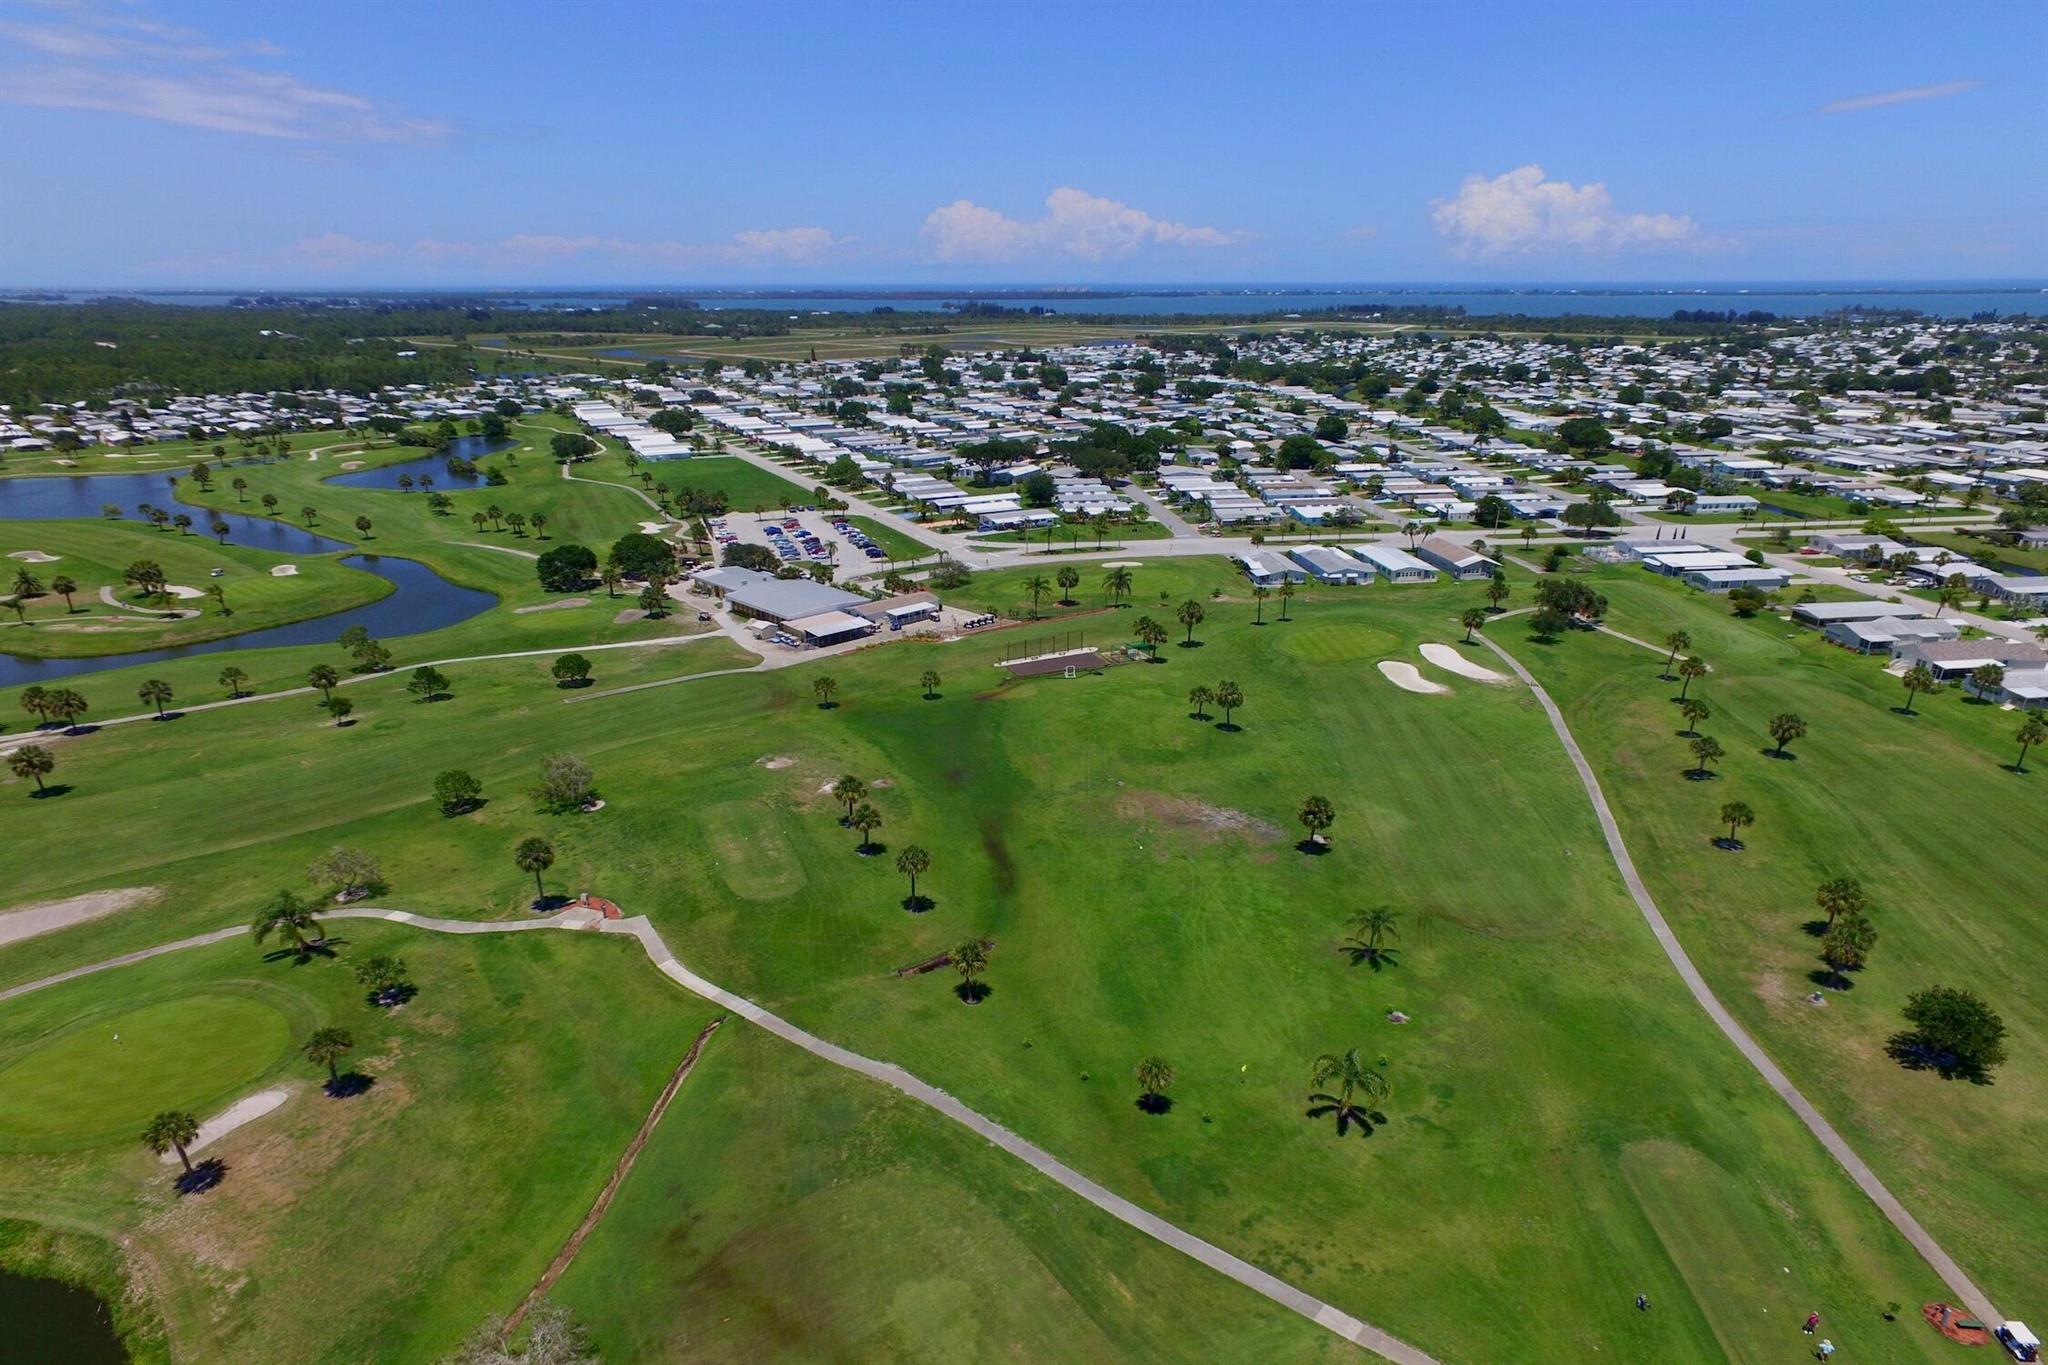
314,144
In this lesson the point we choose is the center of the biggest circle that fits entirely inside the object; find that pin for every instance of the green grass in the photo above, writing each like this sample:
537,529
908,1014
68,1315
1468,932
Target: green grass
1137,871
1875,795
186,1053
894,543
96,554
2032,561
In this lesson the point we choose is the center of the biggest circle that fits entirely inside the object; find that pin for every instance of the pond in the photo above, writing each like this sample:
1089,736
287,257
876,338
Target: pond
421,600
433,465
48,1322
79,497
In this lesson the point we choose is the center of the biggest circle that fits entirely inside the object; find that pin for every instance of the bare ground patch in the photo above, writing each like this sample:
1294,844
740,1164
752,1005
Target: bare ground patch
1189,815
43,917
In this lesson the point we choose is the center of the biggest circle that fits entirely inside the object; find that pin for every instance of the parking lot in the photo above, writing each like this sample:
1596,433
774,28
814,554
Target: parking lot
800,536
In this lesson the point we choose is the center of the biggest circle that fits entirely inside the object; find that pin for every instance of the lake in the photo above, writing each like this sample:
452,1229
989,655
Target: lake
433,465
79,497
48,1322
421,600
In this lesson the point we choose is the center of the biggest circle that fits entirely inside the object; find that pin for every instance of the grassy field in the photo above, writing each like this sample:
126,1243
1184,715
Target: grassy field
1565,1129
96,554
1872,794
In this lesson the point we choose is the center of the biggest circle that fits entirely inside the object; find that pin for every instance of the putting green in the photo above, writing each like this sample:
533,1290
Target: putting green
83,1086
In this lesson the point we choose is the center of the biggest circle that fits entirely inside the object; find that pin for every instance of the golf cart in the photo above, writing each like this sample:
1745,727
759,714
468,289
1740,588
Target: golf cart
2018,1340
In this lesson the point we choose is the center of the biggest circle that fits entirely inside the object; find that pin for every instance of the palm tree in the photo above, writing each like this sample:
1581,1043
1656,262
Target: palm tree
1117,583
823,688
1415,531
1919,678
324,677
219,594
286,915
1151,633
172,1131
1694,710
64,585
32,760
1692,667
1676,640
913,862
155,692
1346,1087
1840,896
849,791
478,519
1155,1077
241,487
1736,815
1473,619
310,513
609,575
26,584
535,855
1785,727
232,679
1705,749
929,681
1317,815
1199,697
1260,592
1369,931
1497,591
326,1048
2033,732
1038,586
540,524
1286,596
1229,696
970,959
1069,578
1190,614
866,820
1846,945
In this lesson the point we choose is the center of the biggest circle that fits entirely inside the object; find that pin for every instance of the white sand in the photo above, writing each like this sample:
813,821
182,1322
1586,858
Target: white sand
653,528
34,557
180,590
245,1110
552,606
1409,678
1451,661
1122,564
41,918
284,570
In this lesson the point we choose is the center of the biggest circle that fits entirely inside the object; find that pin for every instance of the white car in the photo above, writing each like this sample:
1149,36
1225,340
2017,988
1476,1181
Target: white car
2018,1340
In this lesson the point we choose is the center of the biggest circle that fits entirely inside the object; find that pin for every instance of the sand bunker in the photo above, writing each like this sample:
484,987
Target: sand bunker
284,570
34,557
43,917
1409,678
1451,661
180,590
653,528
245,1110
551,606
777,761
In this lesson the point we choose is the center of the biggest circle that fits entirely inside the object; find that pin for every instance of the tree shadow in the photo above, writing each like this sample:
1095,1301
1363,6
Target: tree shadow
1700,774
828,706
934,696
1312,846
917,905
1230,727
52,790
1190,644
465,807
1687,733
2015,769
1815,928
299,956
1379,959
1155,1104
1827,978
873,848
572,683
1727,845
1915,1053
1786,756
1348,1117
348,1085
169,715
547,905
973,992
1902,711
390,997
1202,716
201,1177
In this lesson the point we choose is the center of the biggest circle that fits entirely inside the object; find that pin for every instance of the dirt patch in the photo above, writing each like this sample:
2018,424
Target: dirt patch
29,920
552,606
1188,815
776,762
1001,867
1947,1319
629,615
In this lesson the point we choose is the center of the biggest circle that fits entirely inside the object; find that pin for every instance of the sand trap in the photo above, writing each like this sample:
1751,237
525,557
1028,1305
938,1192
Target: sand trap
351,464
34,557
42,918
180,590
1122,564
245,1110
1409,678
653,528
777,761
1451,661
284,570
551,606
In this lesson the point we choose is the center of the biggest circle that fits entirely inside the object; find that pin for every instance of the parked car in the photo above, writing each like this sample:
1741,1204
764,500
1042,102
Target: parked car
2018,1340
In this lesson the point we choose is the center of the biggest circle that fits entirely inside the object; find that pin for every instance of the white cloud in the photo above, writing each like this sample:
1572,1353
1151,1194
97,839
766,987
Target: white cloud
338,253
1910,95
1520,213
1076,223
118,64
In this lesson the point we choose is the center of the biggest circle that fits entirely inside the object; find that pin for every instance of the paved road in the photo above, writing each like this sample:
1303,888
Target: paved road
1327,1316
1923,1241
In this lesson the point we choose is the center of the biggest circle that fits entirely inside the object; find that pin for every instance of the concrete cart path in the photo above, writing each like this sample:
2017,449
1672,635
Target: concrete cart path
1923,1241
1327,1316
